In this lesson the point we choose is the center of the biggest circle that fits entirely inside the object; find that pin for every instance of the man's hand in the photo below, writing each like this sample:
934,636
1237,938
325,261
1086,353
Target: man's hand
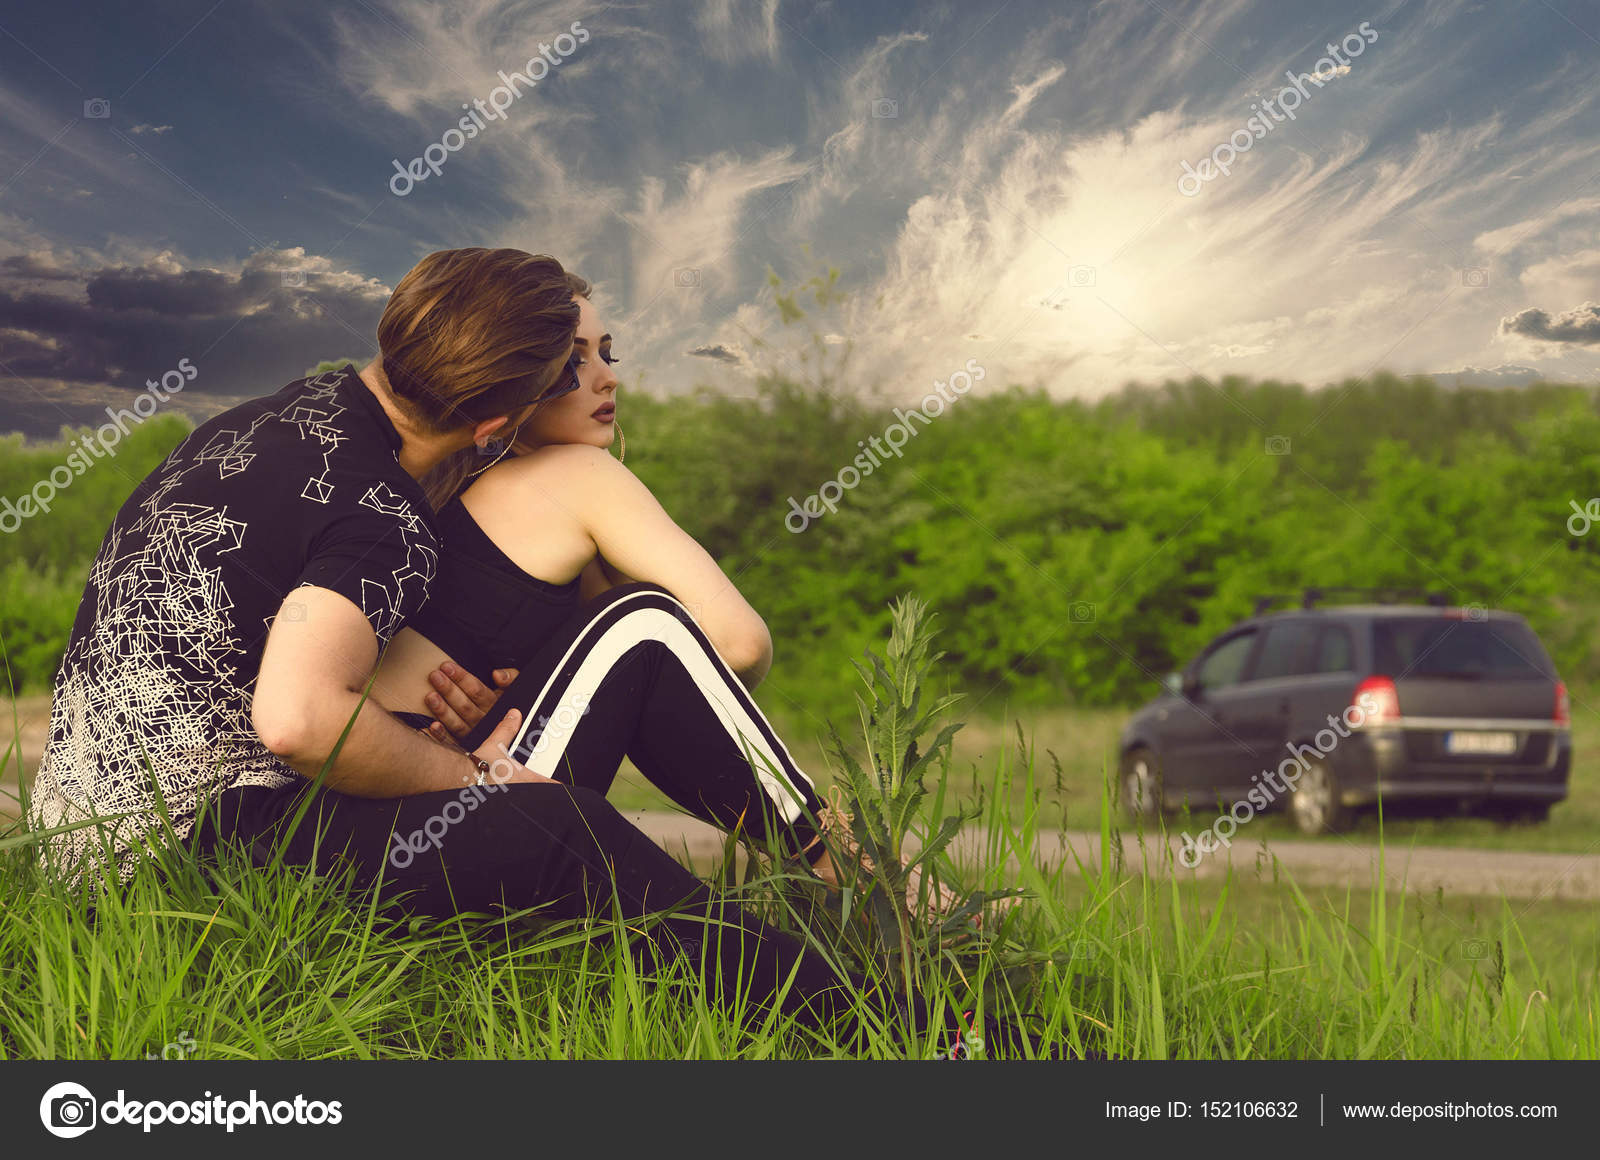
460,700
504,768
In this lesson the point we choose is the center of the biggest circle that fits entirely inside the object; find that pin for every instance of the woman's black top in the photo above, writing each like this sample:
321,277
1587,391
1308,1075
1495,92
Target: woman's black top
482,610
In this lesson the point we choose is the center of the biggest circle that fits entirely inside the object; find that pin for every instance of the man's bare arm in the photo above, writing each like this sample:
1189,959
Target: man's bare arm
313,672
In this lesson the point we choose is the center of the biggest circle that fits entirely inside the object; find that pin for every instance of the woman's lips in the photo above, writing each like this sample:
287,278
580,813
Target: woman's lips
606,414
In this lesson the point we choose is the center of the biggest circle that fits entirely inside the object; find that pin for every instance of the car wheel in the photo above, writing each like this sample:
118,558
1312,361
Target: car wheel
1141,784
1315,805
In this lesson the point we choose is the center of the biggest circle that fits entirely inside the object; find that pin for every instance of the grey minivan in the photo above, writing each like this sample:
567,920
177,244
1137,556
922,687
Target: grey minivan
1321,709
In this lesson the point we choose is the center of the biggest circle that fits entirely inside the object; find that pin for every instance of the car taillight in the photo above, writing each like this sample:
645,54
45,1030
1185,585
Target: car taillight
1377,698
1563,713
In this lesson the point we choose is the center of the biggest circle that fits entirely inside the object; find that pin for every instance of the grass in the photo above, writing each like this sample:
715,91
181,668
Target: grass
251,964
240,962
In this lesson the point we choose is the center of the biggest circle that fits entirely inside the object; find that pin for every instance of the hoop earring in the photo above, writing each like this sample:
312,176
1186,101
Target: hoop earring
496,459
622,443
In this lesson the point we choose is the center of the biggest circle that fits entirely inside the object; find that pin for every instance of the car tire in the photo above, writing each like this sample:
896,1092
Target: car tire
1314,806
1140,784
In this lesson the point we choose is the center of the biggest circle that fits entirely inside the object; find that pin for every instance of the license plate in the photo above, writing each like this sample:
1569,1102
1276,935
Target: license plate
1493,743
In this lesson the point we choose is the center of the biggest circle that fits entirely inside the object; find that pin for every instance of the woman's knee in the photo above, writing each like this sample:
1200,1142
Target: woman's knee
621,592
641,586
642,596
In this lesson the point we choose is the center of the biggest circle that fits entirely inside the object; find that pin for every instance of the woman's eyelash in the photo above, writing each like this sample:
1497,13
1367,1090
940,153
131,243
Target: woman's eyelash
610,360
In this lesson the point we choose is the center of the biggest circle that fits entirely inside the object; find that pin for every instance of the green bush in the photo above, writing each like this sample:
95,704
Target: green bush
47,556
1075,551
36,612
69,534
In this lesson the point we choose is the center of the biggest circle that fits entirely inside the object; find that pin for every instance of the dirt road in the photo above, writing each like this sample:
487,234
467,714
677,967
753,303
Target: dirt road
1458,871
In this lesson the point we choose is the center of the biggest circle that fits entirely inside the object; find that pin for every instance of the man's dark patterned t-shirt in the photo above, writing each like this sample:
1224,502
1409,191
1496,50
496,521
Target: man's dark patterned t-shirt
303,487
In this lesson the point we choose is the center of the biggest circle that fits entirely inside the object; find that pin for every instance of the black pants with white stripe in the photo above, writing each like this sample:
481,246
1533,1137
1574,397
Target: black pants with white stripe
631,674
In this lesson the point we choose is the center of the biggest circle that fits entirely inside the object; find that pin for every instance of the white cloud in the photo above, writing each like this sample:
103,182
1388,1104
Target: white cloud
1235,350
734,29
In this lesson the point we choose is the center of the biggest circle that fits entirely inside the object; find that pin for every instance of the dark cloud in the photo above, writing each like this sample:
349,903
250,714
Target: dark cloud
92,337
718,352
1505,375
1580,325
193,292
23,267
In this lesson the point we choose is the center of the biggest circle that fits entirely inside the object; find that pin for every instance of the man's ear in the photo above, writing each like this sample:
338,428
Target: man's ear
485,430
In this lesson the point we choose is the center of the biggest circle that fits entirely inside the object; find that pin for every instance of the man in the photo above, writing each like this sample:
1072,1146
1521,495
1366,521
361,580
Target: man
238,604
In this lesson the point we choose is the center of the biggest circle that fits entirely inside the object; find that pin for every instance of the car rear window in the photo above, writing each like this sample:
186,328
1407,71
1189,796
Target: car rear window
1437,646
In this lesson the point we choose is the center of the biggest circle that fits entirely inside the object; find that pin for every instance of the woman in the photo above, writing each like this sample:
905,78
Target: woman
629,637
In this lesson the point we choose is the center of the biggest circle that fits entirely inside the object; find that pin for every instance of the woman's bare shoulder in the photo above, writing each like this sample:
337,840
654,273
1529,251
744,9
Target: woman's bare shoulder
564,457
567,467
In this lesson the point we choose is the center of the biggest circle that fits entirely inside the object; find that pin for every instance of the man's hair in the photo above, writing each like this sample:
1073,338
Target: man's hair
475,333
449,478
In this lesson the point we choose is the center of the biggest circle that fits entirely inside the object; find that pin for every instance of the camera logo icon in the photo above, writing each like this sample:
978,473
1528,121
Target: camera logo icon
67,1110
294,611
97,108
687,276
294,279
1081,275
884,107
1474,276
1475,948
1081,612
1277,445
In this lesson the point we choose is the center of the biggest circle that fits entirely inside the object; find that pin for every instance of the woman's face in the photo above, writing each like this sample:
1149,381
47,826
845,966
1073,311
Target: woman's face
587,414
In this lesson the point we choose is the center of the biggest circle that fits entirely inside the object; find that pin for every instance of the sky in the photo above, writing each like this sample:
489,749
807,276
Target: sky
1074,195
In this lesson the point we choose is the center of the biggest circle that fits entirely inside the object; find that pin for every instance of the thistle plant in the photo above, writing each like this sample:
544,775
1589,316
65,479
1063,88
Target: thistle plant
887,795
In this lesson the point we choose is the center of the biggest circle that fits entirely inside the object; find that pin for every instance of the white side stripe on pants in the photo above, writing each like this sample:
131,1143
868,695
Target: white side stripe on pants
707,670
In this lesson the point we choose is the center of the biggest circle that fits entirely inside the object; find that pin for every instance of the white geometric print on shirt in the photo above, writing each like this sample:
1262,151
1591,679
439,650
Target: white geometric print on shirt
156,677
410,586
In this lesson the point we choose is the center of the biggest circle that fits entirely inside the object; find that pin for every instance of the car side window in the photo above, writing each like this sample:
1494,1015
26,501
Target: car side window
1334,652
1224,664
1287,650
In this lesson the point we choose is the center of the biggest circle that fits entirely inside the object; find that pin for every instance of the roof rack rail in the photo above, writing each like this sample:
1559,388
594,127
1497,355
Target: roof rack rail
1311,597
1265,602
